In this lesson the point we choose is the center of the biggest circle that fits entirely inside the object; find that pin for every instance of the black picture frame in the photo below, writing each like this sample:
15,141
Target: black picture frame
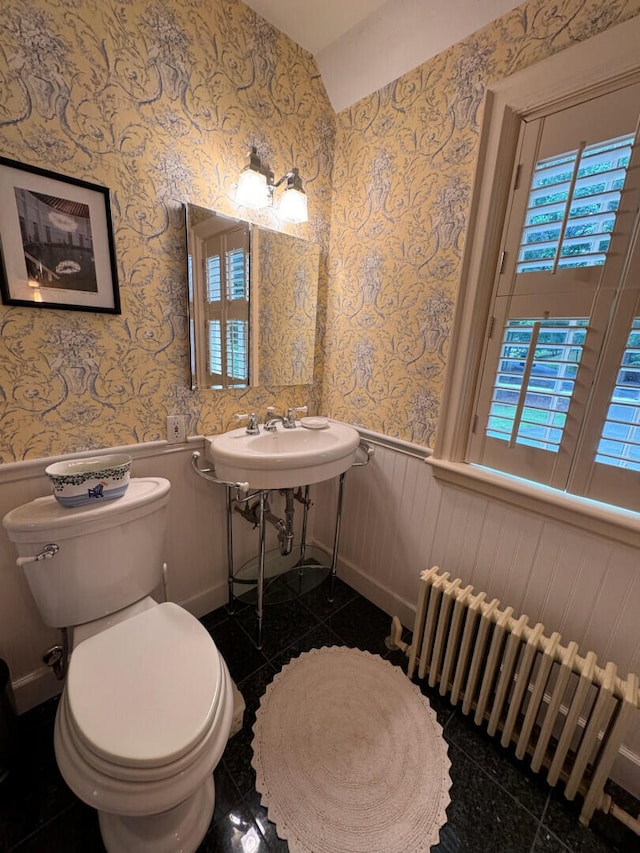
56,241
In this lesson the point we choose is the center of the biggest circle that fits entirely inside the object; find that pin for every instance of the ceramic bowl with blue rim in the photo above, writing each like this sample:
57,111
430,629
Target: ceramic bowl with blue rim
78,482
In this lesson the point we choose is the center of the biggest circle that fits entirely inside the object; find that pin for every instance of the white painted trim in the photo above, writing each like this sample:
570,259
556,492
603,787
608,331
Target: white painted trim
34,688
209,599
390,442
594,64
621,525
626,772
26,469
377,594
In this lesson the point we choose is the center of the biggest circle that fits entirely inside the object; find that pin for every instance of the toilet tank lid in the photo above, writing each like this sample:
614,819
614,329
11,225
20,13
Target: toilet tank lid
46,512
145,691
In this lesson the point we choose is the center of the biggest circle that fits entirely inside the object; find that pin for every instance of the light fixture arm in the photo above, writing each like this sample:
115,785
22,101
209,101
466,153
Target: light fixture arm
294,181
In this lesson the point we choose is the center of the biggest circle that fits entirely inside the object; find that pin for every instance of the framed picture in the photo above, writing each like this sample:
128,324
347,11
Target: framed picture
56,241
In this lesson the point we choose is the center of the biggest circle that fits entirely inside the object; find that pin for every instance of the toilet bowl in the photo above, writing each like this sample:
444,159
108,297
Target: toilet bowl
142,723
147,705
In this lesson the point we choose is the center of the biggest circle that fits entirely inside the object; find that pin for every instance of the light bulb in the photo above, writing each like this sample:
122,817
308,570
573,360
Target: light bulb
252,190
293,206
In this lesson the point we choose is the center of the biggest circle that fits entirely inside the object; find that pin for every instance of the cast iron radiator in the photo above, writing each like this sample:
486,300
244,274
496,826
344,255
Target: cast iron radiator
564,713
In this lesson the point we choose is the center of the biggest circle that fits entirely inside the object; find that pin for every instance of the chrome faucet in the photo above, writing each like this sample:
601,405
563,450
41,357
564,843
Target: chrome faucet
288,421
252,426
270,425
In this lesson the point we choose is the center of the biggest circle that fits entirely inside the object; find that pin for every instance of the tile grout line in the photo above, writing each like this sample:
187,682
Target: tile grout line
495,780
542,827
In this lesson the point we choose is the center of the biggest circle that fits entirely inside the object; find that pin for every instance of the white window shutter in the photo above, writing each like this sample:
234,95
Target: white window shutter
563,351
226,275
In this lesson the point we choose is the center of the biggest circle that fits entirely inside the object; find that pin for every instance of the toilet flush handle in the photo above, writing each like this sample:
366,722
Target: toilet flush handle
47,553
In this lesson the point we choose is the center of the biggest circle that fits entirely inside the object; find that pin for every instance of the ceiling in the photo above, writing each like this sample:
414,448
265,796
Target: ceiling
314,24
361,45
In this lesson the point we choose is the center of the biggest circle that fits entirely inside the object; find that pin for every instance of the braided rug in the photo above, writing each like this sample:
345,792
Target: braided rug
349,756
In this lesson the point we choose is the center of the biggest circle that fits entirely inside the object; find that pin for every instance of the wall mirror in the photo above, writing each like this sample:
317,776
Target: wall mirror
252,303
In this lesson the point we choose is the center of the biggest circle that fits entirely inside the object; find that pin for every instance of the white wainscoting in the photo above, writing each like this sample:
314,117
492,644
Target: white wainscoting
398,519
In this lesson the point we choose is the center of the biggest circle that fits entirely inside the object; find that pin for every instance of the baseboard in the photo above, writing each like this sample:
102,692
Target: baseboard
626,771
35,688
207,600
379,595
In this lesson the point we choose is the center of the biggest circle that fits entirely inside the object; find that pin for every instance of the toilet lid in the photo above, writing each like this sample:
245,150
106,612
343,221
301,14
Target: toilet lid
144,692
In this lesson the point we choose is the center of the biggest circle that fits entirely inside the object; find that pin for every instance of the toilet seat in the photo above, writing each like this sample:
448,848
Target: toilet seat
143,694
119,773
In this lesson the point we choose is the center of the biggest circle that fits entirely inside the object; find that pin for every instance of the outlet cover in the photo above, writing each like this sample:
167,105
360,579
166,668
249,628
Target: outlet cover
176,429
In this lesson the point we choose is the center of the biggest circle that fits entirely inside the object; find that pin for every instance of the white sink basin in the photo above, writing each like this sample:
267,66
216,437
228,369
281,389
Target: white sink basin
285,458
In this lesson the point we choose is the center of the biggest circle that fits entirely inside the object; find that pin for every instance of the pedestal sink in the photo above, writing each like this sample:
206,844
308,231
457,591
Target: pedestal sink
283,458
280,458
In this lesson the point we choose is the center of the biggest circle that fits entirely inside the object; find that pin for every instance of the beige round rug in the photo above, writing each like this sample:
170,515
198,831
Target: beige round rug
349,756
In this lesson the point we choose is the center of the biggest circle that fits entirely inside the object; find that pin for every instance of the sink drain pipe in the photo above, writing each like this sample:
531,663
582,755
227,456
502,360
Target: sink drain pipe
283,526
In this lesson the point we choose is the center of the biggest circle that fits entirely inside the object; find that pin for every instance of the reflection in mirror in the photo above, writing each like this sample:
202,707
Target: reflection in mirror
252,303
218,266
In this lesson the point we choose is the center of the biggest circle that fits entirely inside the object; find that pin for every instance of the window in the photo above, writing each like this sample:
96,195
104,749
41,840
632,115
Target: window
535,381
237,350
542,400
568,262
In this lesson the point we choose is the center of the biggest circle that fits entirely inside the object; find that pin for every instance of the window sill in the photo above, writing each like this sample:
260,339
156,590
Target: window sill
602,519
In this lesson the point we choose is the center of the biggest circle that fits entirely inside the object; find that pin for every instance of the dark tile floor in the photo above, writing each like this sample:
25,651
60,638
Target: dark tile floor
496,805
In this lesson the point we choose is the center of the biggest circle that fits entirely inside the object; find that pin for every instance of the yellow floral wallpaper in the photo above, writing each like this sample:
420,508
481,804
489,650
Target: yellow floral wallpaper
403,173
160,102
288,281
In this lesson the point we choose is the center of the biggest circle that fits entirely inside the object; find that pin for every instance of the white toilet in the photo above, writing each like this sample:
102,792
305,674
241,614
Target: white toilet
146,710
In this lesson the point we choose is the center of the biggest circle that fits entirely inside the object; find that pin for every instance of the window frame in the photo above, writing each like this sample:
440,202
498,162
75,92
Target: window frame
563,80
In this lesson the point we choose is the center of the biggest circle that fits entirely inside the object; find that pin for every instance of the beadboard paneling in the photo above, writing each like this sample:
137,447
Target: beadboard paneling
397,520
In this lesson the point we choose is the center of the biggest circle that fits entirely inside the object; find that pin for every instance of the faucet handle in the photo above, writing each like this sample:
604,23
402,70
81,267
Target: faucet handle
252,427
291,415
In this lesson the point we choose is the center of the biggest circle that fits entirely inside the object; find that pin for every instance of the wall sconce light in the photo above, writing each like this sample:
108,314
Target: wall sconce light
256,189
253,189
293,204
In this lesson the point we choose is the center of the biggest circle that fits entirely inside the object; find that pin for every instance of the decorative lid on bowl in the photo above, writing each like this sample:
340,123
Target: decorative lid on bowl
145,691
78,469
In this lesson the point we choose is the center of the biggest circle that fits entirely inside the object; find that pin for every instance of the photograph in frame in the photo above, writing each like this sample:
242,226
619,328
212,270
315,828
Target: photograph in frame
56,241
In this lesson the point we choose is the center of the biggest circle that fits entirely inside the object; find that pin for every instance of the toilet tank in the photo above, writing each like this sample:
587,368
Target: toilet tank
110,555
